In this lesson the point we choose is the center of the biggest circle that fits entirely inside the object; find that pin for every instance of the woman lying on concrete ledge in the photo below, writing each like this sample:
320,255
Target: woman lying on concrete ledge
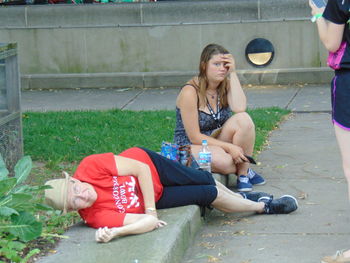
119,194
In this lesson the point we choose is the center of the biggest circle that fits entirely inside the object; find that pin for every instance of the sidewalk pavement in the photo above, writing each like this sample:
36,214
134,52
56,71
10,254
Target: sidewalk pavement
297,98
301,159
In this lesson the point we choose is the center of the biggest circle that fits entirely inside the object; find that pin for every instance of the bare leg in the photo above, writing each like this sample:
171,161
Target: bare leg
343,138
229,203
240,130
228,191
222,162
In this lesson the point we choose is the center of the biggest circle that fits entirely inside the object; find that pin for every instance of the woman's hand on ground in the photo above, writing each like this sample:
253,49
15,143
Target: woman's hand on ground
161,223
105,234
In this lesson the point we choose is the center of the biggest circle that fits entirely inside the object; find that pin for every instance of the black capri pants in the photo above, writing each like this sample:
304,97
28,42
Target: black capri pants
182,185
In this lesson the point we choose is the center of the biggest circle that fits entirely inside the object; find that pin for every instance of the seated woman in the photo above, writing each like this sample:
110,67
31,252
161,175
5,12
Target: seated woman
204,109
119,194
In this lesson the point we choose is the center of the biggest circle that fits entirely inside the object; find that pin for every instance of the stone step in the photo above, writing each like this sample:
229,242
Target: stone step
164,245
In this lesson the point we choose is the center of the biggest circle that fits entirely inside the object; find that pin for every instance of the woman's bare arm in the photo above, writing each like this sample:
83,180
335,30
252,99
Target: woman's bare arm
133,224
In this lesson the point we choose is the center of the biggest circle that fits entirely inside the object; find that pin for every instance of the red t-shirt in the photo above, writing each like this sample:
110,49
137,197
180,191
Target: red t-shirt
116,195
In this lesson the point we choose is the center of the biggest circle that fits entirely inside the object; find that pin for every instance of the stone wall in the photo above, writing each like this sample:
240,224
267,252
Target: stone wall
158,44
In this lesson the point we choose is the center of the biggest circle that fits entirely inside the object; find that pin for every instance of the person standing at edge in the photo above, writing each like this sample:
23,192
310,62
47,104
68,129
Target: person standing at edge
333,28
204,109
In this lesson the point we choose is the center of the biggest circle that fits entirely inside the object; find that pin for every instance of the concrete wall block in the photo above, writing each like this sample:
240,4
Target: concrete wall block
169,79
83,15
286,9
249,78
156,37
43,51
285,76
194,12
142,49
160,48
12,16
150,13
296,43
25,83
322,75
86,50
60,81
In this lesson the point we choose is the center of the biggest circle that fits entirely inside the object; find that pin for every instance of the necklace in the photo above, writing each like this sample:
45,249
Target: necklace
212,95
215,116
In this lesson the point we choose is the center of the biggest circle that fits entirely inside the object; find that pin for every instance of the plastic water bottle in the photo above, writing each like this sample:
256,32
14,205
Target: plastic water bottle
204,157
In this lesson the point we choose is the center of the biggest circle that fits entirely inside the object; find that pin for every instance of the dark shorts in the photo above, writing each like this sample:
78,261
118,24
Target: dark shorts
182,185
340,90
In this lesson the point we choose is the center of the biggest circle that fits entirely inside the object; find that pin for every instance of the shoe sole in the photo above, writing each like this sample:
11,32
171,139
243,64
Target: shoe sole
296,201
259,183
245,190
264,198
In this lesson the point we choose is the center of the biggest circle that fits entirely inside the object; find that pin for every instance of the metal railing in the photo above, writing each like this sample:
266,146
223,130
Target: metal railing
11,141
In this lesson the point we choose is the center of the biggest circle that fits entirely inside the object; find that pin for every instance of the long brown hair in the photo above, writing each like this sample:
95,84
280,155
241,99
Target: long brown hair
208,52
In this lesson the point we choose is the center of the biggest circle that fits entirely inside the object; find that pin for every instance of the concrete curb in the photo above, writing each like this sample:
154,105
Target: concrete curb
165,245
169,78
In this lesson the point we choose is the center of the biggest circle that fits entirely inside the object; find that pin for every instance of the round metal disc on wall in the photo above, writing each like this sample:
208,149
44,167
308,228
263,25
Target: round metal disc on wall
259,52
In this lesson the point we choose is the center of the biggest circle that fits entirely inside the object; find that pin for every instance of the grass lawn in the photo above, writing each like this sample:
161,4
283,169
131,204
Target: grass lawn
57,141
56,137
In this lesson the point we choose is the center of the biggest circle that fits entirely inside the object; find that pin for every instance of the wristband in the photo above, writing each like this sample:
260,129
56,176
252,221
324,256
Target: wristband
315,17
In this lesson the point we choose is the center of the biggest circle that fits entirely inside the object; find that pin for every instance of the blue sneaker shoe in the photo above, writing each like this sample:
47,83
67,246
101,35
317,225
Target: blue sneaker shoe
255,178
283,205
255,196
243,184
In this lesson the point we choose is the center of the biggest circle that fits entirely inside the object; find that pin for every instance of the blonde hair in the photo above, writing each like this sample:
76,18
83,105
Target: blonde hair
202,84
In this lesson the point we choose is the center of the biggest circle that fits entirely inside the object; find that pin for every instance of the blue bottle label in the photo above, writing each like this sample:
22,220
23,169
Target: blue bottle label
204,157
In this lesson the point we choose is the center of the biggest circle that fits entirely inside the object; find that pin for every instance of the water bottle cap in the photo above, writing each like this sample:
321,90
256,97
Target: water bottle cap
204,142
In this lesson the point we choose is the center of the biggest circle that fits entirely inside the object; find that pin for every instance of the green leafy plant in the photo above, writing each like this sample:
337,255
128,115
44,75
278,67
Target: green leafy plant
17,207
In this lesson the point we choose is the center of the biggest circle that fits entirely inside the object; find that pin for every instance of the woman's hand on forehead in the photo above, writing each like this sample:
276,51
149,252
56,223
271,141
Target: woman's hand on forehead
229,62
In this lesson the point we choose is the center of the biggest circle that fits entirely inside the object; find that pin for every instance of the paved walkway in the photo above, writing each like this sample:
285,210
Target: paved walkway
301,159
296,98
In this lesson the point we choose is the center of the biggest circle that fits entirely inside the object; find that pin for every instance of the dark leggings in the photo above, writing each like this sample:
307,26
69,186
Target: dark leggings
182,185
